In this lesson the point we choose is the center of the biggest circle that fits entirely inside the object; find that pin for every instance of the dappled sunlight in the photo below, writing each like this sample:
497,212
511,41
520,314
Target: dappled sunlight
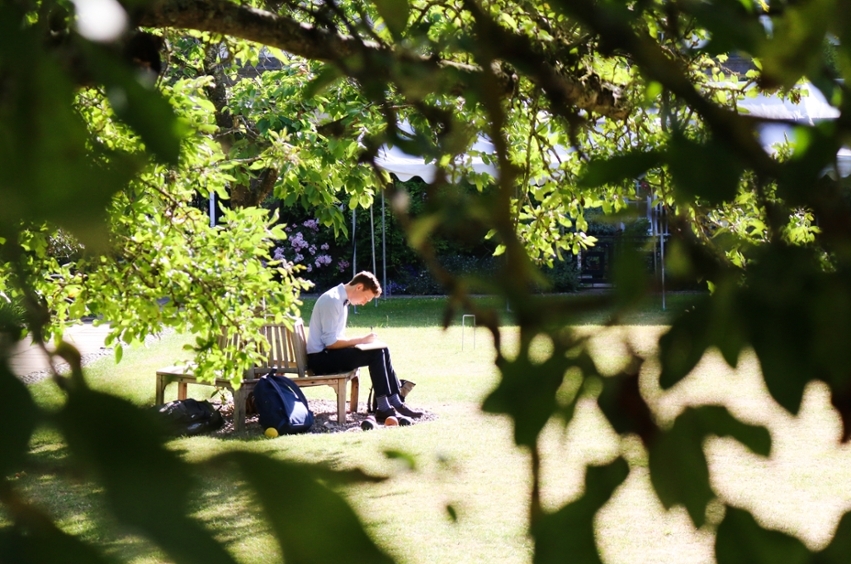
466,461
742,390
634,528
588,439
541,348
610,346
804,487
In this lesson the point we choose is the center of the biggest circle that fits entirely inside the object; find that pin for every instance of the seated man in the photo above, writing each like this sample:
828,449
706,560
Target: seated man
329,351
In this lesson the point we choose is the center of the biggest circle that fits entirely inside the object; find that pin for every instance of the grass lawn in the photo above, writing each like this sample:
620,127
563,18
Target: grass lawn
467,460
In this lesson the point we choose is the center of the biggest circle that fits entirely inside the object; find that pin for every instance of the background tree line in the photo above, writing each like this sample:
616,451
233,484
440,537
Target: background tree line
327,256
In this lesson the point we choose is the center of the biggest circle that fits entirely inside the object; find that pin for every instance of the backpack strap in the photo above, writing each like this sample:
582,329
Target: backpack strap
276,387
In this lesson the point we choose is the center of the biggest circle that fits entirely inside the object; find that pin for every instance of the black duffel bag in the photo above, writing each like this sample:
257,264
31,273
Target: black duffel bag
190,417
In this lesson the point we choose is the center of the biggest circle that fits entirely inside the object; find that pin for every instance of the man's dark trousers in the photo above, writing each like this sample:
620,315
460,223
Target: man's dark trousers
334,361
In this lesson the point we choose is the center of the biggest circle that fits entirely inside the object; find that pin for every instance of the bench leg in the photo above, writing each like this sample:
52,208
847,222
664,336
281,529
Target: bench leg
239,397
353,402
181,390
340,388
159,394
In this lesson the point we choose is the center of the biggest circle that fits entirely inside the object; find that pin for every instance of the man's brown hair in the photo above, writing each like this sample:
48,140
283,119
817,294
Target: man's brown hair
369,281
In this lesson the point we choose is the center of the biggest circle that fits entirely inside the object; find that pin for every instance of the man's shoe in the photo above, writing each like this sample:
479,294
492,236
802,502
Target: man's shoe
381,415
408,412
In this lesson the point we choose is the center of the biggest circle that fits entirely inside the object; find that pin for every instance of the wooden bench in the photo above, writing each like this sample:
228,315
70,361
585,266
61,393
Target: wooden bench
286,353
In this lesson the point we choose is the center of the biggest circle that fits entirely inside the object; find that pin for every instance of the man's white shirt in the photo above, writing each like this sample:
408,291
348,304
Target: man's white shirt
328,320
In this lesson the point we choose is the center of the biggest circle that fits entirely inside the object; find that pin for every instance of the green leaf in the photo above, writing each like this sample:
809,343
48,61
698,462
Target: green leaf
141,107
718,421
16,404
794,48
408,459
777,307
629,275
679,472
740,540
621,402
568,534
682,347
146,485
727,330
527,392
45,543
328,75
733,27
708,171
804,171
421,229
395,15
630,166
452,512
839,549
678,469
291,498
51,168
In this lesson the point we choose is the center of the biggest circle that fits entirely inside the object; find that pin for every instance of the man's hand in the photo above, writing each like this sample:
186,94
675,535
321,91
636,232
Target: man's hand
368,338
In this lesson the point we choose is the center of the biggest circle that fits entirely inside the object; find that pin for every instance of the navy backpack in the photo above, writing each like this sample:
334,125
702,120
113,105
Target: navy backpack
281,404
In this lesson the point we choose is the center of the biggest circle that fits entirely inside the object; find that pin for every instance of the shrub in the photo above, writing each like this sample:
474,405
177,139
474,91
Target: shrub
314,249
563,276
12,316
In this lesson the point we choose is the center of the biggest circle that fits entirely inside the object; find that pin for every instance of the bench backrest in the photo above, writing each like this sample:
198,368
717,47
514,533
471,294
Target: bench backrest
284,354
286,351
300,345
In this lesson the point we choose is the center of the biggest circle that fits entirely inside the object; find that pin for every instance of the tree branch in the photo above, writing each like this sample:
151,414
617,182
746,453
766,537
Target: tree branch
311,42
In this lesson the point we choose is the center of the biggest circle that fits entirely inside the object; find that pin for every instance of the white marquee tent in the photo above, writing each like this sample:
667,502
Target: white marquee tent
405,166
811,109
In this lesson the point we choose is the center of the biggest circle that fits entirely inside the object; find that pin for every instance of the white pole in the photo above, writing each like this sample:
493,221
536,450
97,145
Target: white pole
354,247
354,253
662,231
383,249
212,209
372,236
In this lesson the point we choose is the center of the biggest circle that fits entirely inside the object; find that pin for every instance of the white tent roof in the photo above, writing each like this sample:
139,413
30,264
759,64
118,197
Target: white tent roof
812,108
405,166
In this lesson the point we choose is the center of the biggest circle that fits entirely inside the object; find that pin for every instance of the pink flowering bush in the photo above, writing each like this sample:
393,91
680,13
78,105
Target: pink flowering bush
316,251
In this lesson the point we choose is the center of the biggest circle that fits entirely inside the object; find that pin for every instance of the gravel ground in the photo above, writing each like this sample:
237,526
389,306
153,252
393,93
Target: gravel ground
63,367
324,412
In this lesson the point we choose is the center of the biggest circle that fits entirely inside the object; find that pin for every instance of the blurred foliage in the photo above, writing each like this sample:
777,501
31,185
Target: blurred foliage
104,143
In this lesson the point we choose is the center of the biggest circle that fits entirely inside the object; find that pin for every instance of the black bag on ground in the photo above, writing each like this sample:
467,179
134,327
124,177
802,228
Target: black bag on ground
191,417
281,404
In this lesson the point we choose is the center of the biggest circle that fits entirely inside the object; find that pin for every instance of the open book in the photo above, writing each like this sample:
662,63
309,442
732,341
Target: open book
373,345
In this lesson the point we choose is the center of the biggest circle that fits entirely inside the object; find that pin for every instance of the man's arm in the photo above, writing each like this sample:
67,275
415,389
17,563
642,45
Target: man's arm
326,318
345,343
